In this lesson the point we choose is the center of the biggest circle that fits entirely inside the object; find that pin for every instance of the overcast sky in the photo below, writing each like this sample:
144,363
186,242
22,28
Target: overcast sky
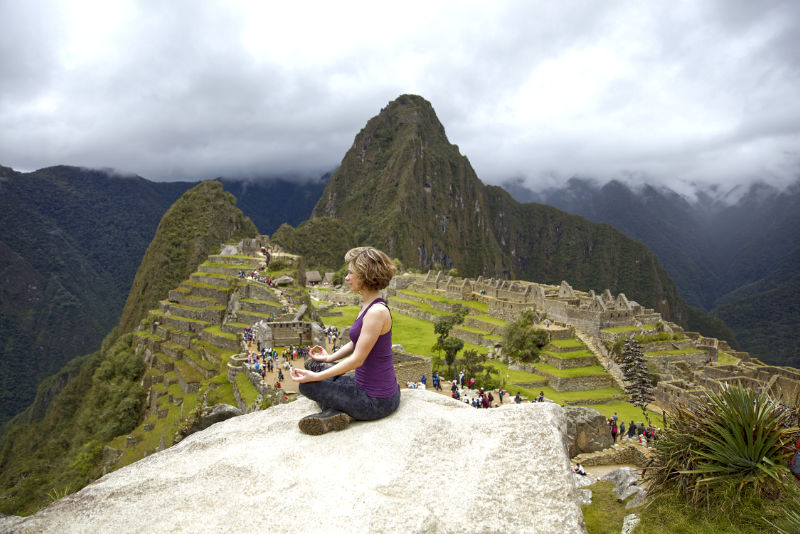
666,92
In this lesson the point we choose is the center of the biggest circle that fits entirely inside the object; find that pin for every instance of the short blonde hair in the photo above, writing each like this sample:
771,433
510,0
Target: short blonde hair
374,267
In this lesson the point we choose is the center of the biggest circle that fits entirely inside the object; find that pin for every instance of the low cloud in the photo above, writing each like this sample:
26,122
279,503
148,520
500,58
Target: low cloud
663,92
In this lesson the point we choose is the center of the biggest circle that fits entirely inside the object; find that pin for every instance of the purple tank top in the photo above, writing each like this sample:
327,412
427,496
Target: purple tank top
376,375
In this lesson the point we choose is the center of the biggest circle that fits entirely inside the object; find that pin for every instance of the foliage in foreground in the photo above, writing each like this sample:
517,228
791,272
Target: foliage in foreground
734,444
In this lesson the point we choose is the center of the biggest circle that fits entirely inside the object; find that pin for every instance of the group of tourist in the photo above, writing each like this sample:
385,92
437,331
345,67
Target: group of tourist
634,431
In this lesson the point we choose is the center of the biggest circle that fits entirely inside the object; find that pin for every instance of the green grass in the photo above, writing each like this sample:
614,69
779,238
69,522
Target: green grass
605,514
213,275
184,306
671,514
222,395
571,342
486,318
473,330
570,355
188,372
415,335
726,359
422,306
590,370
203,285
474,304
215,329
246,389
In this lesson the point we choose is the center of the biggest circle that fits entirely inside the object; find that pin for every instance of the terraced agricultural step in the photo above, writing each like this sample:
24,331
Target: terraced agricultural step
186,298
188,378
173,350
212,279
259,291
221,339
199,289
228,269
565,345
594,377
558,360
185,324
212,314
260,306
169,333
163,362
234,328
205,368
209,351
253,262
250,317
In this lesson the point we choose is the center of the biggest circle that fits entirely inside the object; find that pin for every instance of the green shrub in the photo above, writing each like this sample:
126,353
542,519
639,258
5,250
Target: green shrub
733,441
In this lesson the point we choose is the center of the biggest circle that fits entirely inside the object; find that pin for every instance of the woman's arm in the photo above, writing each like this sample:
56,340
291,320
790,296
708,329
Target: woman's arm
322,355
374,321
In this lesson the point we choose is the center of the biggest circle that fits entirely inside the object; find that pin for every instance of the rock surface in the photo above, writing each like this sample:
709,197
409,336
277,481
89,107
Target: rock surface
383,476
587,430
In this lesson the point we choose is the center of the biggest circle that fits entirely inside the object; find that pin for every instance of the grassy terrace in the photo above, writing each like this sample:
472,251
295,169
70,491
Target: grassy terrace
202,285
474,304
590,370
473,330
486,318
570,355
572,342
420,306
726,359
212,275
187,372
246,389
215,329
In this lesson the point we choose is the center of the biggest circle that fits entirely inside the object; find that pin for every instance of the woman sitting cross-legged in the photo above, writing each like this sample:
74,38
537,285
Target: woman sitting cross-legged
373,392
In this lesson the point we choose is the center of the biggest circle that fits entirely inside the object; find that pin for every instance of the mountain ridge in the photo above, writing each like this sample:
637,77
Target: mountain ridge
402,186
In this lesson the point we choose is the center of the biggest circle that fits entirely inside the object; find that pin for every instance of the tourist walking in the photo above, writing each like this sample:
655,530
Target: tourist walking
372,393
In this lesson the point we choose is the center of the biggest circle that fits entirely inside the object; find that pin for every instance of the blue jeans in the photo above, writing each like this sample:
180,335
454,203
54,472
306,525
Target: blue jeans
341,393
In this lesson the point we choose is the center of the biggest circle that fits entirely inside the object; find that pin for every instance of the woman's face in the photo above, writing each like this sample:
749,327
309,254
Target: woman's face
353,279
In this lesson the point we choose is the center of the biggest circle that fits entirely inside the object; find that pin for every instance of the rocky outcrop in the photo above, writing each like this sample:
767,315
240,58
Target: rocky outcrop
587,430
391,475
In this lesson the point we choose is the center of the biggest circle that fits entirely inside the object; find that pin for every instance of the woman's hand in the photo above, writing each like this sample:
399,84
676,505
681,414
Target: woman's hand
303,375
320,354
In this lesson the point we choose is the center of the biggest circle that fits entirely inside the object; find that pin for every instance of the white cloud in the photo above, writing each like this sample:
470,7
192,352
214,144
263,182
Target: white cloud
694,92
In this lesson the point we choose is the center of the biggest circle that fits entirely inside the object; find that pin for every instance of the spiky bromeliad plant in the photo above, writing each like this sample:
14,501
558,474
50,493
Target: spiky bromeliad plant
728,442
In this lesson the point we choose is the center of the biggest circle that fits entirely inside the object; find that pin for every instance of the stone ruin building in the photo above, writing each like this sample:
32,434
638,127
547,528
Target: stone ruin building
684,369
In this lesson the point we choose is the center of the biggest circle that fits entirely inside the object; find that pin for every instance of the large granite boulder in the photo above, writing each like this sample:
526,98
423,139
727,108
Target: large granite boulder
587,430
405,473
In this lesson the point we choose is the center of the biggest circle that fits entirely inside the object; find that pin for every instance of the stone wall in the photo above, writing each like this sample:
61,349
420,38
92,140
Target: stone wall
629,453
410,367
567,363
577,383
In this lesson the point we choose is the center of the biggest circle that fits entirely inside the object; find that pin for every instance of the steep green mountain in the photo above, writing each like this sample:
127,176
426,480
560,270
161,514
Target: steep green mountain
735,259
404,188
191,229
56,444
70,245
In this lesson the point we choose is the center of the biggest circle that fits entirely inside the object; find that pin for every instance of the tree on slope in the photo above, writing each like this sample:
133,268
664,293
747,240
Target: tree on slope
639,385
522,341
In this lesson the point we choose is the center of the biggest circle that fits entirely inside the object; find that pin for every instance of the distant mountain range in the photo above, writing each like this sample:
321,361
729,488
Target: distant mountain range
739,261
72,240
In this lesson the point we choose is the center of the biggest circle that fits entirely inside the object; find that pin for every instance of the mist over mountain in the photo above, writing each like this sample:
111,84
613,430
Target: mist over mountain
738,259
